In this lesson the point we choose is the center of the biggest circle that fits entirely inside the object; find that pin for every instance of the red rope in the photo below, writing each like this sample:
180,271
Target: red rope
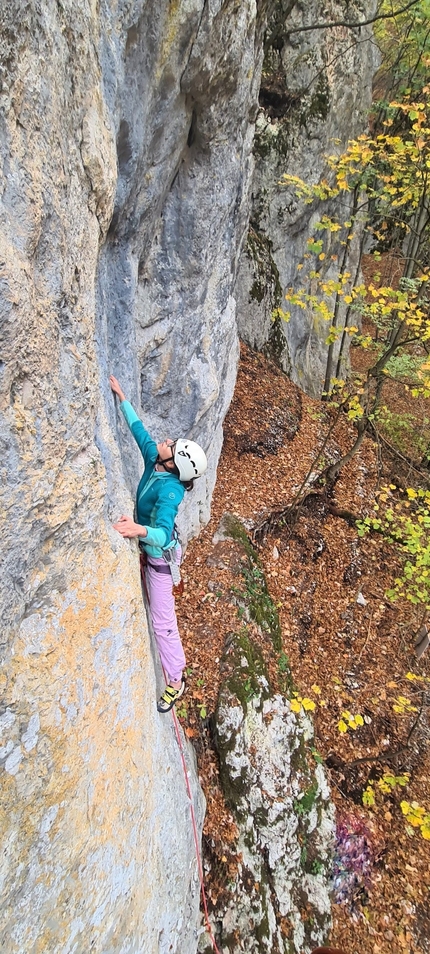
142,564
196,837
187,783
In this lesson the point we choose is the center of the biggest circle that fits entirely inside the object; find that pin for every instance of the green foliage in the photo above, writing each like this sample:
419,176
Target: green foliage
250,689
318,758
404,520
386,179
404,367
198,695
384,786
401,430
256,601
404,42
303,805
182,710
285,676
415,815
261,606
283,663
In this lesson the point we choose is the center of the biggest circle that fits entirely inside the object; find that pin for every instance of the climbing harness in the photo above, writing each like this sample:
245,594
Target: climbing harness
170,557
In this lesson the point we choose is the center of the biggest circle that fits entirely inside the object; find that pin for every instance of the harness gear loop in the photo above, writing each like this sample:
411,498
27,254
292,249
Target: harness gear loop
169,555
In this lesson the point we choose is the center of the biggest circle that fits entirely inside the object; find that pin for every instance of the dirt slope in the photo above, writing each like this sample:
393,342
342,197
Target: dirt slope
349,648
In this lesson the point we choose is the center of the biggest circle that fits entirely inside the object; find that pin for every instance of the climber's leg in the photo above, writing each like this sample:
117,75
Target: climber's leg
165,625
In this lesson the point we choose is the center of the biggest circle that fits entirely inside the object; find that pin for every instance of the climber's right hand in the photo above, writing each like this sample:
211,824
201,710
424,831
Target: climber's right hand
116,387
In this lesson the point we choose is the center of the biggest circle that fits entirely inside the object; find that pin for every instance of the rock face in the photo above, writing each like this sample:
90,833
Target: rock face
280,900
315,95
272,778
126,131
125,141
167,269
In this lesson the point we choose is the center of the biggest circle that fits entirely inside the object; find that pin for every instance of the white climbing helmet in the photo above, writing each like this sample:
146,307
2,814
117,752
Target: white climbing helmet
190,459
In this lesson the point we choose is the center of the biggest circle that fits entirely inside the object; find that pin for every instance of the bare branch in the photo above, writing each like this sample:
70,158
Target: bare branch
355,26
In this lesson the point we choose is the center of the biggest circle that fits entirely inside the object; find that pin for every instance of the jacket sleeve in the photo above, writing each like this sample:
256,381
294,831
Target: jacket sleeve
144,441
170,496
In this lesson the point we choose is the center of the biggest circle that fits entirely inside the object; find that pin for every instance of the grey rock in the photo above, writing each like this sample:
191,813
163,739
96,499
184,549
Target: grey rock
286,826
126,132
125,161
316,93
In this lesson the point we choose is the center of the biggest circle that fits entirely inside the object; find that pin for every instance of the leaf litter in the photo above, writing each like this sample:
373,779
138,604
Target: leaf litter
348,646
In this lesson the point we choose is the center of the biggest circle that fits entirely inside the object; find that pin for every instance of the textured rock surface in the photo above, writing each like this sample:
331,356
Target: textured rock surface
280,900
168,267
125,143
272,779
316,92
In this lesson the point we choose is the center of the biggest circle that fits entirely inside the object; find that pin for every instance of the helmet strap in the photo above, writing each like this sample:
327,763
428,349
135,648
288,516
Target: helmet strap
163,463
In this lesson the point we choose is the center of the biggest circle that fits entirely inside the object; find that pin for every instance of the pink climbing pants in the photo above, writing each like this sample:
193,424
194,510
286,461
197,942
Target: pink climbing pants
163,615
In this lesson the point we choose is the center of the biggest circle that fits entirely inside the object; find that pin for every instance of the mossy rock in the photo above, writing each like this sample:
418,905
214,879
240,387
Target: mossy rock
255,597
246,681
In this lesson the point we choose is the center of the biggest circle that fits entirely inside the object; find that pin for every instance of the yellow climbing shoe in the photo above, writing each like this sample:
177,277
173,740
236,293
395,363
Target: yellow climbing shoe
170,696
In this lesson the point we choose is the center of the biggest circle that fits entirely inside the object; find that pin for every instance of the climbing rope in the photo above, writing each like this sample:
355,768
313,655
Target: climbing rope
318,950
196,838
189,793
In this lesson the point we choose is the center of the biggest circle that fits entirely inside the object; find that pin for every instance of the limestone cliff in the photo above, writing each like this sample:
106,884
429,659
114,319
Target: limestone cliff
126,131
315,95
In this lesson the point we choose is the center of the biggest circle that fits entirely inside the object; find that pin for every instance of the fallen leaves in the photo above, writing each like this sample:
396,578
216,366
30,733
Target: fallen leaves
350,663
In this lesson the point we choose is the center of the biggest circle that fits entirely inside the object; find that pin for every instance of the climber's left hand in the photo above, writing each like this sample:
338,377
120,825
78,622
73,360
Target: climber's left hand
128,528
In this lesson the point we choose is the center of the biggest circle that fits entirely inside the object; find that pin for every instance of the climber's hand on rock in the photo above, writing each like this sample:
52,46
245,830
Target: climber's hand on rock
116,388
128,528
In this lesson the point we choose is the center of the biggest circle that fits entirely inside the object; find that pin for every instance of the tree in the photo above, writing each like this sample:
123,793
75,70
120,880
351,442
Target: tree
385,178
404,42
388,179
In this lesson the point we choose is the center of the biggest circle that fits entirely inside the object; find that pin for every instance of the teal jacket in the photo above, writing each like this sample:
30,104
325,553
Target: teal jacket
158,494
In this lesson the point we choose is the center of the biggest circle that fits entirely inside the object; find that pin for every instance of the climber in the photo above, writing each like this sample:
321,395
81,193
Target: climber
170,470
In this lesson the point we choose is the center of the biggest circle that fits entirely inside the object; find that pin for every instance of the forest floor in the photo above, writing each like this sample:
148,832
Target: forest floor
349,647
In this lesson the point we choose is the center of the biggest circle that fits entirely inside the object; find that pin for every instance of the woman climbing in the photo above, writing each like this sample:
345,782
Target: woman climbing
170,469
